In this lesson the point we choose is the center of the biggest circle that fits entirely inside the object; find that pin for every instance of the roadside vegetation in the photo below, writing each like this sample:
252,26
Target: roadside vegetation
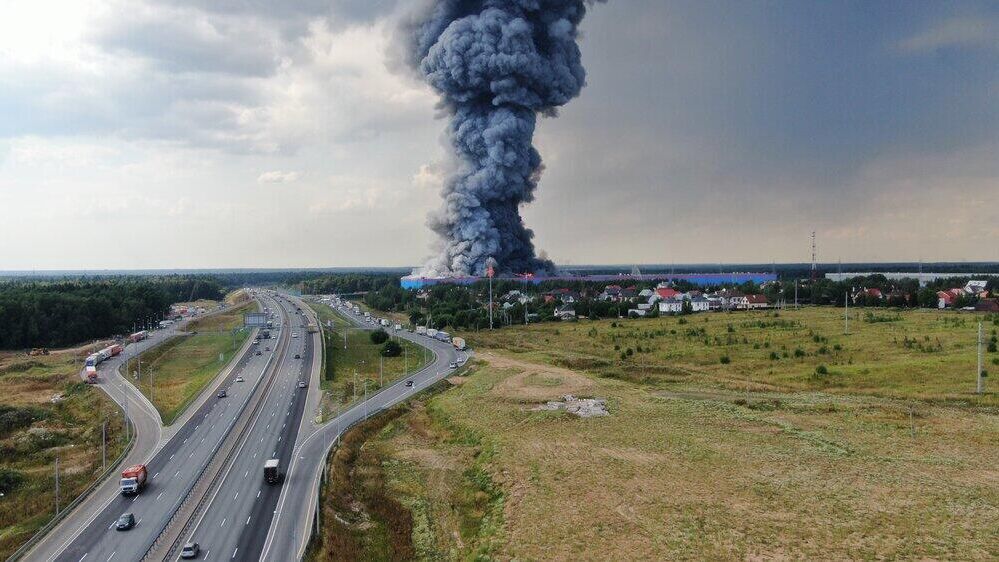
47,412
805,444
182,367
347,372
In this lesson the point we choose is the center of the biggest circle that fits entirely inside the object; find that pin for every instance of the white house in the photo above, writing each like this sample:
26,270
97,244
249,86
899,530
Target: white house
975,286
671,305
699,304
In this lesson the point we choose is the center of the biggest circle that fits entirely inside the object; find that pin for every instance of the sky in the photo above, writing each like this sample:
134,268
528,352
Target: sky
255,133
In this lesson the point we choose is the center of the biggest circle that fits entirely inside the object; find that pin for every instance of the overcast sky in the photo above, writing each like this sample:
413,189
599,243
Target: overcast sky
247,133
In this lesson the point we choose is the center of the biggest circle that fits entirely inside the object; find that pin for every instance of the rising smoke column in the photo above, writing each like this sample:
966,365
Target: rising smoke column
496,64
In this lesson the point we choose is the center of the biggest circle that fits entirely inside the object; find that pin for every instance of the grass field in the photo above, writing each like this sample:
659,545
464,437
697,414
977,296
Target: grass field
361,357
46,413
888,454
183,366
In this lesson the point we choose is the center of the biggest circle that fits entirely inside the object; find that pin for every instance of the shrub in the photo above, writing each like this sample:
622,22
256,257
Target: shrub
725,360
10,480
992,347
629,351
799,352
379,336
391,349
821,370
774,356
838,347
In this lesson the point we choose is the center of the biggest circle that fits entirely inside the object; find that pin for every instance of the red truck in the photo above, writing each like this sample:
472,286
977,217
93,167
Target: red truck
133,479
138,336
91,377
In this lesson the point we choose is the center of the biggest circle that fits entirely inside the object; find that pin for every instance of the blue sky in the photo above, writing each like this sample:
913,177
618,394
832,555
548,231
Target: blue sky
286,136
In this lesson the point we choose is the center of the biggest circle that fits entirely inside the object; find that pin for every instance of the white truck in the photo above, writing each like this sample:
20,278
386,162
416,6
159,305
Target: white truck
458,343
384,322
421,330
431,332
397,327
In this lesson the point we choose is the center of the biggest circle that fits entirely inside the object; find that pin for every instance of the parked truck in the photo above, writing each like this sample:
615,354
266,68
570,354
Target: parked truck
272,471
133,479
443,336
431,332
91,377
458,343
138,336
421,330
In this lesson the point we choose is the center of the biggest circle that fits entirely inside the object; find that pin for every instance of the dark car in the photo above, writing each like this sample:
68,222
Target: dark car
221,393
297,356
191,550
409,383
258,352
125,522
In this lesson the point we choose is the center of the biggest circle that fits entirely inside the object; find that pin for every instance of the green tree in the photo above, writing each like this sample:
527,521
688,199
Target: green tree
379,336
391,349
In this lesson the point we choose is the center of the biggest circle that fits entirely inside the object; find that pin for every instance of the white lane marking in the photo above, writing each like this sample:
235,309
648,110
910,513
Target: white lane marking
158,497
185,440
247,520
244,476
223,523
139,521
236,496
206,553
112,555
176,474
234,553
82,557
258,493
171,458
135,497
279,437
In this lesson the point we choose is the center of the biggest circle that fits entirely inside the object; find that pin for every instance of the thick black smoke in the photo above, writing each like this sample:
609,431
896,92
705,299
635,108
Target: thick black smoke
497,64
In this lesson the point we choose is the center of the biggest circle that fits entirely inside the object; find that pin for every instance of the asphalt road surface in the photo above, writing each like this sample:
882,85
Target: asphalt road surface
149,433
172,472
240,507
293,515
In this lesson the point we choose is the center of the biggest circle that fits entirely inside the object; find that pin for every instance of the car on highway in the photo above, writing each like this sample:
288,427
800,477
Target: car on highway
239,379
294,334
125,522
452,365
409,383
258,352
221,393
298,356
267,349
190,550
301,384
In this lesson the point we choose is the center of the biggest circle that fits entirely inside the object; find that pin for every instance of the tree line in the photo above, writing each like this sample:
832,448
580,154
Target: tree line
68,312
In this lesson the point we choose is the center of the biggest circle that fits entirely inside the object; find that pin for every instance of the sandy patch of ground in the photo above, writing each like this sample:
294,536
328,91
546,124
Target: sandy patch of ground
536,382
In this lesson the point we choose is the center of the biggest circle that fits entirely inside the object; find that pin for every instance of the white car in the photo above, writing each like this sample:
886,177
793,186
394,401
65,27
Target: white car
239,379
294,334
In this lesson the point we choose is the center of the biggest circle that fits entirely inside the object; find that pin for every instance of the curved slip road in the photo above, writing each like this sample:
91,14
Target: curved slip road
149,434
172,471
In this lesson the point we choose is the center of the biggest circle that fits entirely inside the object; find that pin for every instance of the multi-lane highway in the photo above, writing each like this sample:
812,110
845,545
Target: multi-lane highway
206,481
149,435
172,472
289,531
241,504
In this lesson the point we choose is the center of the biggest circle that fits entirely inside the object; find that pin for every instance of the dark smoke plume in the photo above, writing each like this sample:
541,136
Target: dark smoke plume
497,64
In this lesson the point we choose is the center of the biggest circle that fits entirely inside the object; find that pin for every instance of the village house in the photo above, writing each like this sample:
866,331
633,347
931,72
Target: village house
756,301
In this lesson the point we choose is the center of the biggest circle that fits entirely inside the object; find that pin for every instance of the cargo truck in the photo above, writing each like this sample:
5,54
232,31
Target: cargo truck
133,479
91,377
431,332
272,471
421,330
443,336
138,336
458,343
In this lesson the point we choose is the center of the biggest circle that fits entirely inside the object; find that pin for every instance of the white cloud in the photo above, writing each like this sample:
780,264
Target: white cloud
277,176
955,32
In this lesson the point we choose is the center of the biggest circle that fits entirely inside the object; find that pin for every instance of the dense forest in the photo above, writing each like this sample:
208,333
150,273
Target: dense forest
62,313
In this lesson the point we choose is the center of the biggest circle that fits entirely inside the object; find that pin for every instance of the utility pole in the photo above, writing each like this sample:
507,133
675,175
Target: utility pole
489,273
981,380
381,367
846,313
57,486
796,294
104,445
405,353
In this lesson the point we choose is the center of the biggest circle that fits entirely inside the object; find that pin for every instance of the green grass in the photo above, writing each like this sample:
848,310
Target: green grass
183,366
36,431
886,455
360,361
